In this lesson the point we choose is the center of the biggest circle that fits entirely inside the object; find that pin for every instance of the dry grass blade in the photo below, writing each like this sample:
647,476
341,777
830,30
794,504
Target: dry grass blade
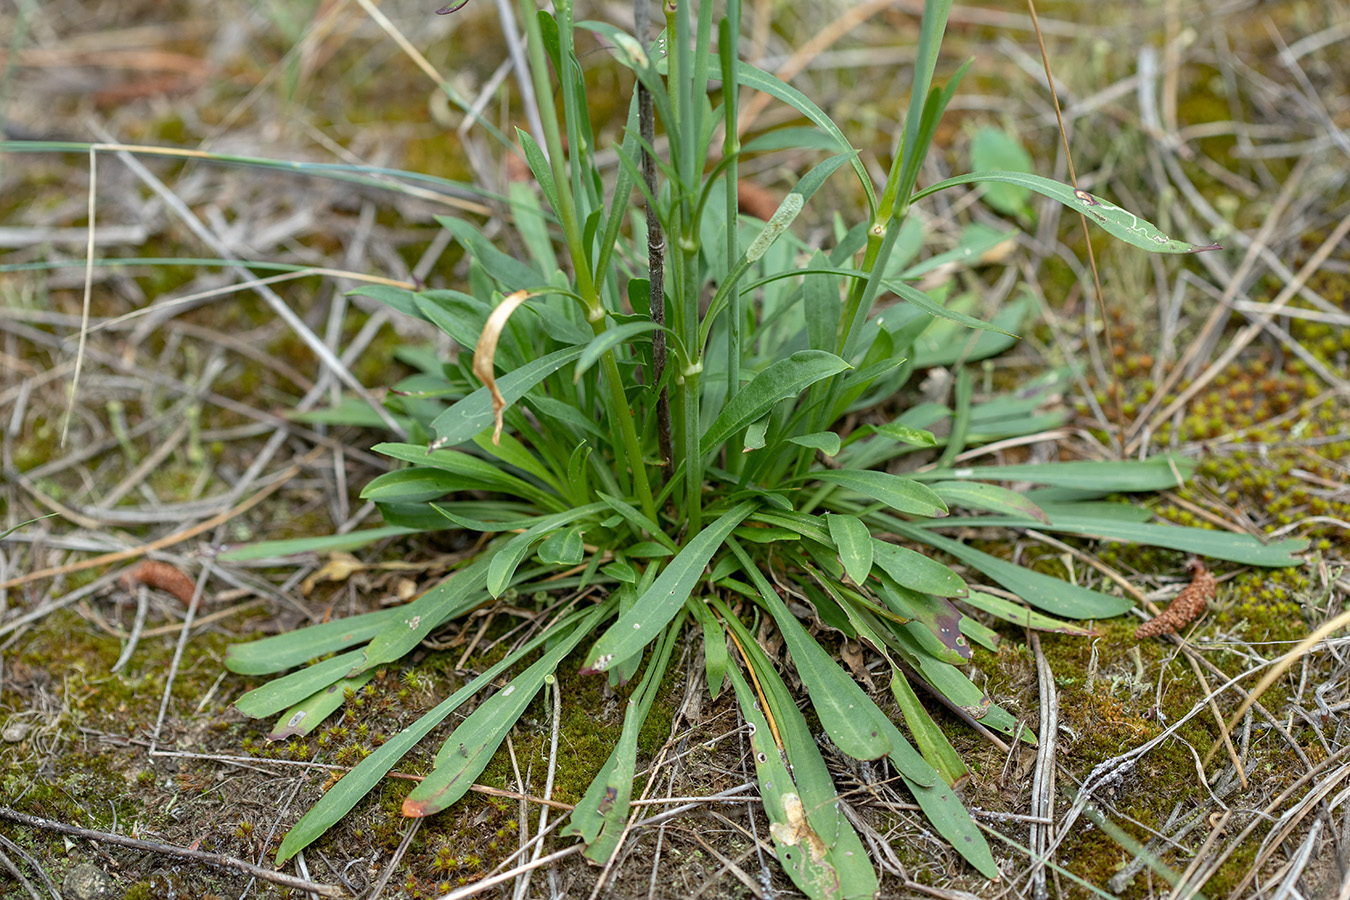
486,352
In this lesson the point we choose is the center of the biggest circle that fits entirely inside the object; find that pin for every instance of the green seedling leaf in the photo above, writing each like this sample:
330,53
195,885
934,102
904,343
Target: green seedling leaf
280,693
991,497
900,494
1117,222
1019,615
344,795
473,415
827,442
778,381
993,149
608,340
455,595
853,540
307,715
660,602
468,750
328,543
562,548
916,571
1157,474
283,651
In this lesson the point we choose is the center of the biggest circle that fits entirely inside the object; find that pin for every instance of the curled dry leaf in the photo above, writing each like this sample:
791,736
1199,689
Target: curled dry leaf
161,575
1186,607
487,349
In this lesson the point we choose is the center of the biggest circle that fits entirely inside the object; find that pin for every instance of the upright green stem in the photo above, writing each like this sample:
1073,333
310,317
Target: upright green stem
728,32
621,415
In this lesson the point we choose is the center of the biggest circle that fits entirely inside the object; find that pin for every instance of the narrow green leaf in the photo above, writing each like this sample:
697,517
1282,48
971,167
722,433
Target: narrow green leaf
900,494
328,543
911,294
340,799
944,809
933,744
473,414
916,571
606,341
978,495
280,693
468,750
1021,616
283,651
304,717
456,594
715,657
1117,222
659,603
845,711
504,562
826,442
778,381
906,435
853,540
1242,548
1050,594
1157,474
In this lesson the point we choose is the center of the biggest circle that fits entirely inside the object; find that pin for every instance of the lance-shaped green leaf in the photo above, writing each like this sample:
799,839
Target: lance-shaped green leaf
848,715
340,799
853,540
477,473
1050,594
455,595
504,562
933,622
600,816
562,548
933,744
991,497
608,340
659,603
804,854
283,651
327,543
1157,474
1241,548
1117,222
778,381
715,656
827,442
1017,614
473,415
815,787
900,494
916,571
304,717
280,693
469,748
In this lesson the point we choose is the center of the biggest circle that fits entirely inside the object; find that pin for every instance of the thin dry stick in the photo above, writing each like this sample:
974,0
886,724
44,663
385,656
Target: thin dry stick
175,538
211,859
1043,781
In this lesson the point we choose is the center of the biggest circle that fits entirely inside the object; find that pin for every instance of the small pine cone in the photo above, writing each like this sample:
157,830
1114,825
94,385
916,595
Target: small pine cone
1186,607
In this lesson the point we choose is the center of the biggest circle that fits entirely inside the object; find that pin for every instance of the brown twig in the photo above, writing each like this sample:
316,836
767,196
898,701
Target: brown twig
211,859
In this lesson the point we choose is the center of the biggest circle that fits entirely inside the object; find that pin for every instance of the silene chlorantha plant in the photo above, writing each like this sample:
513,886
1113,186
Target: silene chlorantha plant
661,426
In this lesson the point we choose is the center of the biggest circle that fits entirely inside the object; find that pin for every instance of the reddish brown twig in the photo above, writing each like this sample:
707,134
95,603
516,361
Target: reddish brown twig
1186,607
161,575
